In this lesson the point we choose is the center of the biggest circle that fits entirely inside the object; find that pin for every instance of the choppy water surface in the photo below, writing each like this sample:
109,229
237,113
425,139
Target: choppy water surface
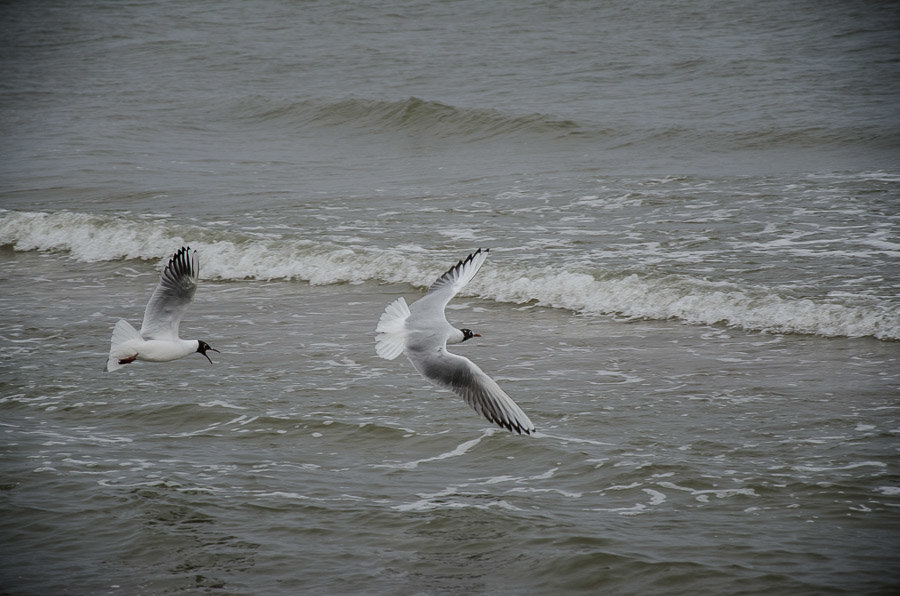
691,290
665,451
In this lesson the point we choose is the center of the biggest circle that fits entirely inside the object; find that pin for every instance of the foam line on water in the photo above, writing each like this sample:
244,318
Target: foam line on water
229,255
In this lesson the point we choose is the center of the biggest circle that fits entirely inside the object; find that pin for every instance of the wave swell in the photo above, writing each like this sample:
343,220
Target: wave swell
412,115
232,256
426,118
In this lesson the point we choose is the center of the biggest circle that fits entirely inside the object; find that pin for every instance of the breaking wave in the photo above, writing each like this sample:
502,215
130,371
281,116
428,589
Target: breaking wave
233,256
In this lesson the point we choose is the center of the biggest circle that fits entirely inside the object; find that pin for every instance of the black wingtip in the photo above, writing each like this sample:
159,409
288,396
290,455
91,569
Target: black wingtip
510,426
181,262
469,259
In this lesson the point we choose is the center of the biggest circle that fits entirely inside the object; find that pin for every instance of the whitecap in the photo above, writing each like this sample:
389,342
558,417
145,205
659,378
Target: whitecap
233,256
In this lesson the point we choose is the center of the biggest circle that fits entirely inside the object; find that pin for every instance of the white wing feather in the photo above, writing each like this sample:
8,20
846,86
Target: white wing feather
172,297
449,284
463,377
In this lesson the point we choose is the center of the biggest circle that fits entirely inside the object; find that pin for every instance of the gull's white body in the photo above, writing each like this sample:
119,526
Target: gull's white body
151,350
421,331
158,339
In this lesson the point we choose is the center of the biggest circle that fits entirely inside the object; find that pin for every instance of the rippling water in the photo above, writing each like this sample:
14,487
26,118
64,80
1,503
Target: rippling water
691,290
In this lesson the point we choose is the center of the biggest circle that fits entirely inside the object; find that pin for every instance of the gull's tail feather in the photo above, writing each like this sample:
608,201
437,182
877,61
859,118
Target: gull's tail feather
123,333
390,333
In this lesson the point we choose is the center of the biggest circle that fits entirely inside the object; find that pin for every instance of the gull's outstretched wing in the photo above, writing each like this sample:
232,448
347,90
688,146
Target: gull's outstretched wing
463,377
172,296
432,304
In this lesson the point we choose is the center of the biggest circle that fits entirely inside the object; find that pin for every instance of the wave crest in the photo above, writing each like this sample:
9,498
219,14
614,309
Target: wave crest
432,119
230,256
412,115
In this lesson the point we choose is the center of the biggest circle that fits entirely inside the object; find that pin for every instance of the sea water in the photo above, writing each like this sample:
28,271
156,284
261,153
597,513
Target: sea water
691,290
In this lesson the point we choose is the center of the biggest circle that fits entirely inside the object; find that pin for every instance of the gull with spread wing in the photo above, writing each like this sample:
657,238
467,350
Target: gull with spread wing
422,332
158,339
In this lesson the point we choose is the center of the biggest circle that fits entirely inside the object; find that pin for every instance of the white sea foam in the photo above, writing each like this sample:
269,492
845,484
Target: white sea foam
656,497
876,464
219,403
460,449
452,498
231,256
428,505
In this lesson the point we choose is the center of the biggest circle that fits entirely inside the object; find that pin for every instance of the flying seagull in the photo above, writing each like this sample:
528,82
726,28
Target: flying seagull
422,332
158,339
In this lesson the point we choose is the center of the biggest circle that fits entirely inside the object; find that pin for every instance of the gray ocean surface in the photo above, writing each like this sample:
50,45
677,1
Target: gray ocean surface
692,290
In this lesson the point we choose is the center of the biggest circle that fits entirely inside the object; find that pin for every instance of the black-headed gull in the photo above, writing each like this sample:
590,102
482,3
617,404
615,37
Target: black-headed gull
422,332
158,339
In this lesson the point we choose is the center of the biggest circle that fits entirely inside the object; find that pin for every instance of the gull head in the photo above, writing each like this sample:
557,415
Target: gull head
468,334
203,347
